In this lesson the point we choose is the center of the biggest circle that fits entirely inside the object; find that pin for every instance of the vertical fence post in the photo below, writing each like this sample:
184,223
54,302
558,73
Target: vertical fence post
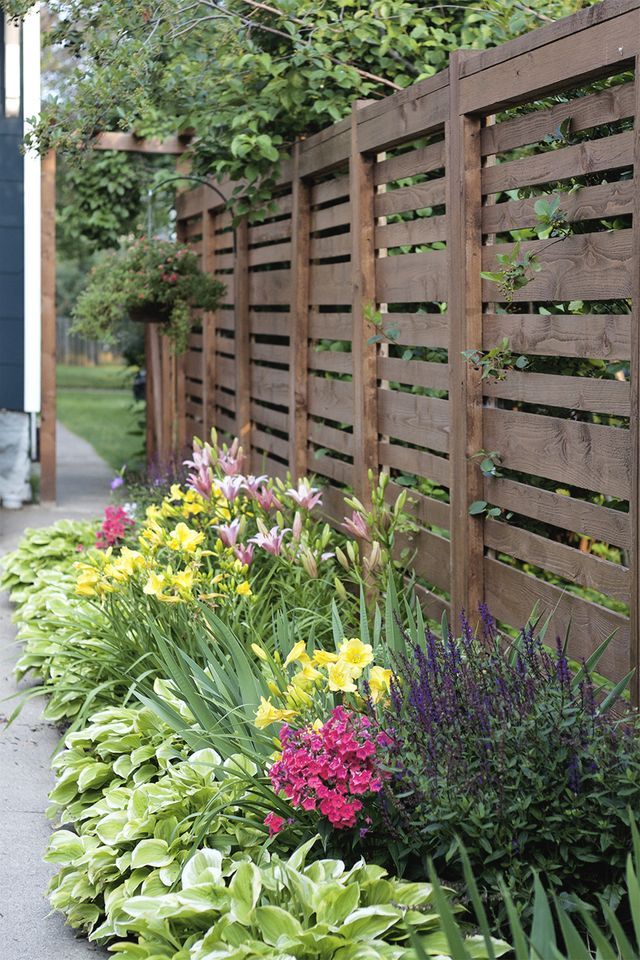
634,423
208,327
242,337
464,245
363,298
299,330
48,325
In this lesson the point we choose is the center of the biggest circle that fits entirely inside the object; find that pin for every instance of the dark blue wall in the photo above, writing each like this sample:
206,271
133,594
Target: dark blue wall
11,255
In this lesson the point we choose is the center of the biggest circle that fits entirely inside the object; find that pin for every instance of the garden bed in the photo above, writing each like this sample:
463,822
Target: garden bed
270,753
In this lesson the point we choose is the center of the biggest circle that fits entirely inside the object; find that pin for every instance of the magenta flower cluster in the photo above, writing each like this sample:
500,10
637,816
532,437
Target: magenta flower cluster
114,527
331,769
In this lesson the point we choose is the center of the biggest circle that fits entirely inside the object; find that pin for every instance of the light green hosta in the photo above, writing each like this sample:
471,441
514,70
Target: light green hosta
137,805
283,909
50,547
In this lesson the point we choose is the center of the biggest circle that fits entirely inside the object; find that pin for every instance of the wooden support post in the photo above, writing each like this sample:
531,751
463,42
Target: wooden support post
634,422
363,298
243,338
464,245
48,336
150,397
208,328
179,388
299,331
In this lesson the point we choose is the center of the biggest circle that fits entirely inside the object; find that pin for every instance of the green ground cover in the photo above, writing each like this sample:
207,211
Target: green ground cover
97,404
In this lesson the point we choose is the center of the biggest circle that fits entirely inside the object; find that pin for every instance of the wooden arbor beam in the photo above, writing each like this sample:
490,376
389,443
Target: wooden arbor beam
130,143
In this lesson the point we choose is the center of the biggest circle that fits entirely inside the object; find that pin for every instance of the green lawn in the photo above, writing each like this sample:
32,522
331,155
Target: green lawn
96,403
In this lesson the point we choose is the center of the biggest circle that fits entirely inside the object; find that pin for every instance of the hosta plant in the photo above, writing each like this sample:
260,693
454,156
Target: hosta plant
56,547
274,908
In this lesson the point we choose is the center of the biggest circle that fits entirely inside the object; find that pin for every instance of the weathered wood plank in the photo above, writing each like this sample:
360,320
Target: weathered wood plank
567,562
330,284
299,342
592,266
591,156
418,373
410,163
416,197
587,203
576,393
332,399
413,277
241,295
600,336
325,436
586,455
330,360
411,232
419,462
416,419
512,595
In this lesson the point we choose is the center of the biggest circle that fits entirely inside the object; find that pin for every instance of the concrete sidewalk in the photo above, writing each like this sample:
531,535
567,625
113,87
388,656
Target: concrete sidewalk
27,931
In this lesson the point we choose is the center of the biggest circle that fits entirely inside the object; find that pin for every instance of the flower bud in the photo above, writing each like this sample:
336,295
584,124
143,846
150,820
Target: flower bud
340,590
375,557
342,560
296,529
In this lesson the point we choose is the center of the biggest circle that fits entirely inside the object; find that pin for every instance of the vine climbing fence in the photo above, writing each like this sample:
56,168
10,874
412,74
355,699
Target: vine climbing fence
350,301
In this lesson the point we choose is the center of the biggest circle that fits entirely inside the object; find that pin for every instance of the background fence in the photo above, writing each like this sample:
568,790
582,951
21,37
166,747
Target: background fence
398,209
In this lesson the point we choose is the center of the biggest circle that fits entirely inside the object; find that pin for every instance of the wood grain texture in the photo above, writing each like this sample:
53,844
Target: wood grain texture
299,337
414,418
48,335
465,320
413,277
586,455
576,393
363,298
410,163
634,506
413,461
241,296
599,336
587,203
512,595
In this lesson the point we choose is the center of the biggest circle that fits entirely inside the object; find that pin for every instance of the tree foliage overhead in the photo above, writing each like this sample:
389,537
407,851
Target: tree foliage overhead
248,76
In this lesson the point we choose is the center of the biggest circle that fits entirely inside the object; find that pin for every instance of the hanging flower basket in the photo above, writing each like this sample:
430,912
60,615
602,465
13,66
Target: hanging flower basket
145,281
149,312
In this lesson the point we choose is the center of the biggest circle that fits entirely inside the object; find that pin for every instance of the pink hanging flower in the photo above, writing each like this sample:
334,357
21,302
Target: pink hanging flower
270,540
228,532
356,525
267,500
244,553
230,487
305,496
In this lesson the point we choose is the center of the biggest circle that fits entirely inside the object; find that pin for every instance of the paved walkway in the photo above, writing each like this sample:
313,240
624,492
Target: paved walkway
27,931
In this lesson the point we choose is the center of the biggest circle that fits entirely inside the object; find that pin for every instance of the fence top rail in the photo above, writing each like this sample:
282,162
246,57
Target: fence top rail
409,113
535,39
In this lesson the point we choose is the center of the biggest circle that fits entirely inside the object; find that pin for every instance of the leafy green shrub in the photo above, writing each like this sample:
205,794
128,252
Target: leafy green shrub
516,758
278,908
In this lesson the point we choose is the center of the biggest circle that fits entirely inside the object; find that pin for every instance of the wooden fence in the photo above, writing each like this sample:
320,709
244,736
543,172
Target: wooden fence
397,209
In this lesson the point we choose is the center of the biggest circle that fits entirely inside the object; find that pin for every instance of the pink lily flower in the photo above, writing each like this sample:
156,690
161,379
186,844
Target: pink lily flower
230,487
200,481
230,461
252,483
228,532
267,500
270,540
356,525
201,457
305,496
244,553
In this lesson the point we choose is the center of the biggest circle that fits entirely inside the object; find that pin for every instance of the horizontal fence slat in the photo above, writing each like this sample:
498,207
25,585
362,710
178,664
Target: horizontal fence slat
587,203
410,163
578,516
567,562
421,463
417,197
332,399
416,419
411,232
512,595
330,360
592,266
585,455
413,277
325,436
427,510
267,417
599,336
577,393
418,373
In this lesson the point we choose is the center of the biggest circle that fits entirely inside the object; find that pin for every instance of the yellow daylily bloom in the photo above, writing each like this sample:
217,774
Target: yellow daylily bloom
379,681
267,714
175,493
155,585
298,654
86,583
356,654
324,657
185,539
243,589
183,580
340,677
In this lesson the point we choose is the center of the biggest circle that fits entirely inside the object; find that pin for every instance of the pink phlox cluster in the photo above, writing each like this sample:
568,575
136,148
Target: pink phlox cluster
331,768
114,527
